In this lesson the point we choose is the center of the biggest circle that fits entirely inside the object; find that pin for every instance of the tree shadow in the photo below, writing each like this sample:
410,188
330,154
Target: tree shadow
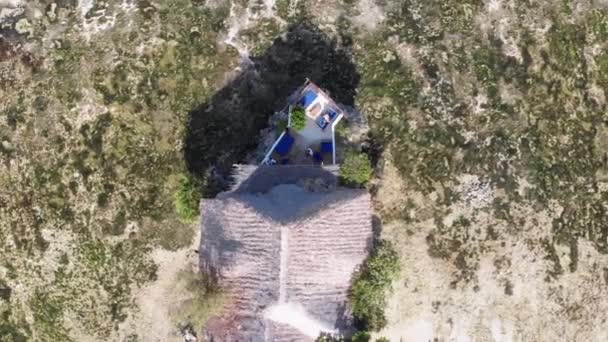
223,130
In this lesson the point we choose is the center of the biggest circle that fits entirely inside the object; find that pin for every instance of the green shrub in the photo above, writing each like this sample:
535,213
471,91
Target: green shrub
361,336
187,198
328,337
371,285
356,169
298,118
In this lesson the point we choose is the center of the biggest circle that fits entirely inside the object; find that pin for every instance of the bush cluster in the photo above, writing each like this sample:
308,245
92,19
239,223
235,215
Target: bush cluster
355,170
187,198
298,118
359,336
371,285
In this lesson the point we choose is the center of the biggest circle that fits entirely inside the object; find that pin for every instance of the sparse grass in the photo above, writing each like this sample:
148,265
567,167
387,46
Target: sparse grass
602,63
93,176
202,300
458,16
170,235
551,255
48,317
566,42
262,36
597,24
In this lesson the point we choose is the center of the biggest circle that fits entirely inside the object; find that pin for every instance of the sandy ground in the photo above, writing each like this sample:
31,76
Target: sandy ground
510,297
370,15
156,301
424,306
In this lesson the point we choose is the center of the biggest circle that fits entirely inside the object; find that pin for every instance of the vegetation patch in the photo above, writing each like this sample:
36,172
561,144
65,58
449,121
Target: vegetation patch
203,300
355,170
298,118
187,199
372,284
361,336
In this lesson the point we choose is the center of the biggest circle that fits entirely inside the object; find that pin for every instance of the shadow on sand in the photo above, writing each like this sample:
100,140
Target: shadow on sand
222,131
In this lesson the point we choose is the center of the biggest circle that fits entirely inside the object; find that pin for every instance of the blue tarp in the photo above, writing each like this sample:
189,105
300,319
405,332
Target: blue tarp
308,98
284,145
327,147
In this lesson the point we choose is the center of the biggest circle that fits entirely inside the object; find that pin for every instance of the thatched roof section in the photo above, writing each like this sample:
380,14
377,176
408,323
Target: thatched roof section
301,243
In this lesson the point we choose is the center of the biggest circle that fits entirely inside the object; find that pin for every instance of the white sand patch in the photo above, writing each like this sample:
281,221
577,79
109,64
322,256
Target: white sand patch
85,6
92,26
410,331
474,192
480,101
270,12
88,109
296,316
501,331
469,136
128,6
238,19
59,243
12,3
407,52
510,47
11,8
371,15
494,6
499,20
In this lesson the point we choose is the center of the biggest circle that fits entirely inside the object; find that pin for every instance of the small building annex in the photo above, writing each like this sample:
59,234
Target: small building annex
315,142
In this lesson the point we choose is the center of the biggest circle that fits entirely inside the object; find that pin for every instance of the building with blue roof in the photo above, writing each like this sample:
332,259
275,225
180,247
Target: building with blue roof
315,143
